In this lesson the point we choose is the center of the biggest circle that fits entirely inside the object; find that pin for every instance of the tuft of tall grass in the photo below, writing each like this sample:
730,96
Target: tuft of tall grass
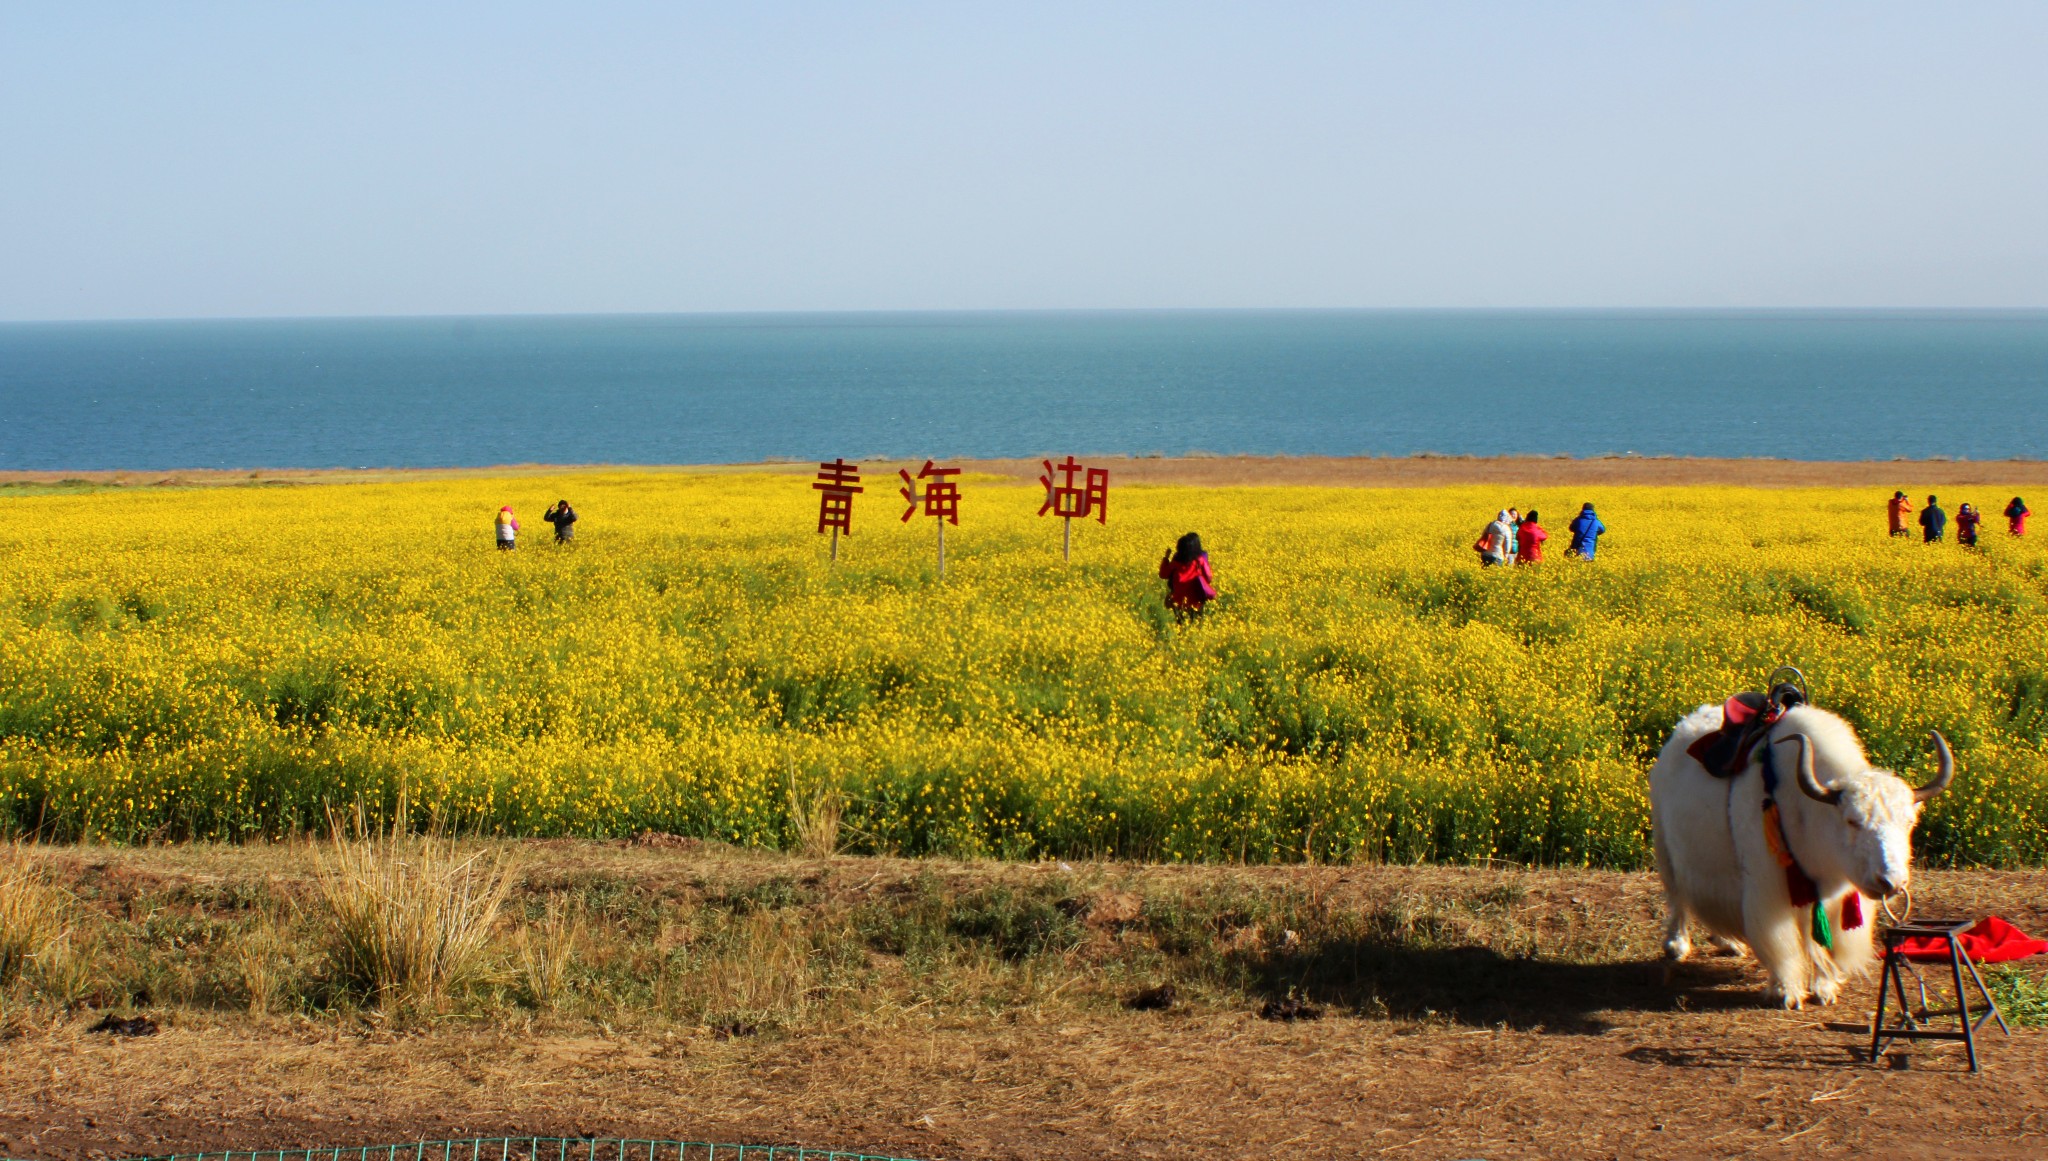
34,931
546,950
814,818
411,917
260,959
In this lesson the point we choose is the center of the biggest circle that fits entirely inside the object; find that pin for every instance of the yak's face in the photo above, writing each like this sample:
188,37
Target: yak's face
1860,819
1874,841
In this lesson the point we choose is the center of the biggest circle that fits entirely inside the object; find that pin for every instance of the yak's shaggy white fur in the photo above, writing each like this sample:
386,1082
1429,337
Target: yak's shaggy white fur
1718,869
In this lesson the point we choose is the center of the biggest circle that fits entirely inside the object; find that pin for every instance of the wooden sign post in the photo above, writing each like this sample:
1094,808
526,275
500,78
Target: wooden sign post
838,481
1067,501
940,497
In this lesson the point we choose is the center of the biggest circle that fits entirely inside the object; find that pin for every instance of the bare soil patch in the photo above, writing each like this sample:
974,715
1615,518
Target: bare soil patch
1466,1012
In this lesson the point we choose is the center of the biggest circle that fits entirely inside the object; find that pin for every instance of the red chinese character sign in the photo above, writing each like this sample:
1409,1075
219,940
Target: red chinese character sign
837,484
1069,501
940,497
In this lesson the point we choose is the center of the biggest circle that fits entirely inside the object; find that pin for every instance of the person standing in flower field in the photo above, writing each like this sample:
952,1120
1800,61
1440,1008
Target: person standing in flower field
1898,509
1492,545
1514,523
1933,522
1190,584
508,529
1529,538
563,518
1586,529
2016,514
1967,519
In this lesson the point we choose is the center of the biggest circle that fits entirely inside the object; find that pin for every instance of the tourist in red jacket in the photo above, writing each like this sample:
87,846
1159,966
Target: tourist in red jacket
1529,540
2016,514
1967,520
1189,582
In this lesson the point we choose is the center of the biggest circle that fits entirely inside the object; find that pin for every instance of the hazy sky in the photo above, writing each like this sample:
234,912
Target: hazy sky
197,159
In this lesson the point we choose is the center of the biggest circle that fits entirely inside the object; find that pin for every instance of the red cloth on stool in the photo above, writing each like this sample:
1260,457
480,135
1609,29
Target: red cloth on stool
1992,940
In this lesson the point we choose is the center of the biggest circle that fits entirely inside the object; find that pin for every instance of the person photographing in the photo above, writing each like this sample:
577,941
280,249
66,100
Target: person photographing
563,518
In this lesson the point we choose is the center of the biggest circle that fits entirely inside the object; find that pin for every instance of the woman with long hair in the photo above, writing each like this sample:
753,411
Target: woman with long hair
1190,584
2016,514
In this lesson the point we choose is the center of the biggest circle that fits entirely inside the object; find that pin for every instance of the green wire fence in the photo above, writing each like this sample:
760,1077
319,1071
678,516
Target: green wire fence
537,1149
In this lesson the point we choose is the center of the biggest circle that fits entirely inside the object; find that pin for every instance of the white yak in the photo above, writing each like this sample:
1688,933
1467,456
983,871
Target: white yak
1850,827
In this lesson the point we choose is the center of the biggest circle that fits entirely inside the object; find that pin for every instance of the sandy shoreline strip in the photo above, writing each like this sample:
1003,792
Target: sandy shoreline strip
1216,471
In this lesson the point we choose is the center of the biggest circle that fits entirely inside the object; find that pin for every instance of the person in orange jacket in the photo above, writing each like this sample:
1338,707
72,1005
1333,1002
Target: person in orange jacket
1900,508
1190,584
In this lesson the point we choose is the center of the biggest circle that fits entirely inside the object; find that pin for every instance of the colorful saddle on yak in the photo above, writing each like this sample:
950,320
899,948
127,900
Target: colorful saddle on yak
1746,719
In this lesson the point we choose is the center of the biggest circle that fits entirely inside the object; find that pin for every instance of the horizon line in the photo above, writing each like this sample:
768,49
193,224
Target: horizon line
876,312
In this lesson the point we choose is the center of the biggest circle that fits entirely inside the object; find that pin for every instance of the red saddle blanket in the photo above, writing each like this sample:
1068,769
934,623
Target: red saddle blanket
1992,940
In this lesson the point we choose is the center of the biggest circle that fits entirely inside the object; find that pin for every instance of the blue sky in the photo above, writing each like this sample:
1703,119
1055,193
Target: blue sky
197,159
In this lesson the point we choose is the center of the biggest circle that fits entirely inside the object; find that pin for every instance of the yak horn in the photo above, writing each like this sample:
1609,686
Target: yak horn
1945,769
1807,782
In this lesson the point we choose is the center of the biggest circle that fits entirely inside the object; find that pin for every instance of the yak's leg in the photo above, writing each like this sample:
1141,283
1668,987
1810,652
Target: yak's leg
1827,978
1677,944
1851,956
1677,940
1779,942
1725,945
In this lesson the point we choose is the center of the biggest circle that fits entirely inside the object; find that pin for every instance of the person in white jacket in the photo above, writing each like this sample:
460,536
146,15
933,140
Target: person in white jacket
1492,545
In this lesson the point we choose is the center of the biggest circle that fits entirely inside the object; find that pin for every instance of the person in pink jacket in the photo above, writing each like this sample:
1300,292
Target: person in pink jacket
1529,540
1189,582
508,529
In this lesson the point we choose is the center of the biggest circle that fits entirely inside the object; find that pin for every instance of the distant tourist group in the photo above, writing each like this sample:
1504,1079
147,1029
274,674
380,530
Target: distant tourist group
561,516
1512,538
1933,519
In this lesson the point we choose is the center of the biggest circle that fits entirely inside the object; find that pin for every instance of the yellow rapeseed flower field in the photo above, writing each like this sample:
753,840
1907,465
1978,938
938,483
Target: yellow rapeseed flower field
224,662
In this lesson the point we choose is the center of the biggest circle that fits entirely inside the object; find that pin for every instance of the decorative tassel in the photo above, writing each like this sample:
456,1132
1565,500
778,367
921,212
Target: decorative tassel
1799,889
1821,933
1797,885
1852,910
1774,834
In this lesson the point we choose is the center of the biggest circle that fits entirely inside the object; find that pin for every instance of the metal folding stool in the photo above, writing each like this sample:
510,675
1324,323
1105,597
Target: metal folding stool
1910,1022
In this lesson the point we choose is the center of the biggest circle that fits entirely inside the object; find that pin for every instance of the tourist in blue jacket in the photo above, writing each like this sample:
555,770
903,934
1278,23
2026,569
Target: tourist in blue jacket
1586,529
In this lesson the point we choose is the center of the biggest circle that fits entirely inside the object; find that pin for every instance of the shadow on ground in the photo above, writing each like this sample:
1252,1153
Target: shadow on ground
1480,987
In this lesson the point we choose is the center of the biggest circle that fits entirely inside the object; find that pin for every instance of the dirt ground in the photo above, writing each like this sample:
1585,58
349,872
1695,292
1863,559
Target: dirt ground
1584,1053
1233,471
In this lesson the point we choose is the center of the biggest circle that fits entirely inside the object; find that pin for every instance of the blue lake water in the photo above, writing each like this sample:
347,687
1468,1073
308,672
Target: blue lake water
735,388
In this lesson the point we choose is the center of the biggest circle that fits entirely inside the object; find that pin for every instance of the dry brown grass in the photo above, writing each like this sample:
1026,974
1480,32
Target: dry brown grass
35,931
412,917
815,812
546,950
943,1008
